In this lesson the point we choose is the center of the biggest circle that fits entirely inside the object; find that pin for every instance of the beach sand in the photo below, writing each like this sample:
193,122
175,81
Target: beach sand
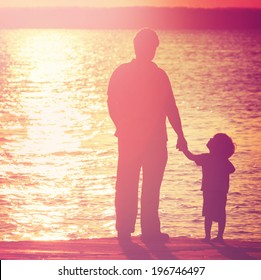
178,248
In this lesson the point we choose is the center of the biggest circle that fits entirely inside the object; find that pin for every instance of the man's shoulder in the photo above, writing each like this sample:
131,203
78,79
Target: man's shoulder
159,72
126,65
133,67
160,69
122,68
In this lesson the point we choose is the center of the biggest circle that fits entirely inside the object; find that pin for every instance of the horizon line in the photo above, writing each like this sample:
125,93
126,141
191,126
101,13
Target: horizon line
131,7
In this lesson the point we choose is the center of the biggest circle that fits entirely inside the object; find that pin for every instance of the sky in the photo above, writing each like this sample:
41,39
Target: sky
124,3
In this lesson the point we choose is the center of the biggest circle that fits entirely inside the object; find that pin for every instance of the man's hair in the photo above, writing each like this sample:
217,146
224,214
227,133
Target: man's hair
146,37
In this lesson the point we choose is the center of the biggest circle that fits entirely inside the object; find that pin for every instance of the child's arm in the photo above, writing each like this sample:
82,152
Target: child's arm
189,155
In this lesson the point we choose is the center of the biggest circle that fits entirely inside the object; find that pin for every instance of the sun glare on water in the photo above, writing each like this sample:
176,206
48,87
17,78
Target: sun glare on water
54,138
50,106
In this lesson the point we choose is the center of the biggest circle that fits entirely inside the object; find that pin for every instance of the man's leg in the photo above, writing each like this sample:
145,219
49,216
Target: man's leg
153,170
126,197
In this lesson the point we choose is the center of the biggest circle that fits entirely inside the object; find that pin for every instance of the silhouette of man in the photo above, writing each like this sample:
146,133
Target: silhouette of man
140,99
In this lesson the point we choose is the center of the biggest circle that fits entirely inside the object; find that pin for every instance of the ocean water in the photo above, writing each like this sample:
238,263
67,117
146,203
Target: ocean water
58,155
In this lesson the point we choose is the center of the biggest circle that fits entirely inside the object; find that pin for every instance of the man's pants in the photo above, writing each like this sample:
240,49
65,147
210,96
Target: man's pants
152,160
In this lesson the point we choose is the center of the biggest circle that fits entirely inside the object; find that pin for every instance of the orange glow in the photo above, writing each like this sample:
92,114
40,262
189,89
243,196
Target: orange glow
50,113
124,3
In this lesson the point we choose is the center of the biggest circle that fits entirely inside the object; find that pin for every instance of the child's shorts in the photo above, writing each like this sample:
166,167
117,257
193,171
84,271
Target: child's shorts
214,205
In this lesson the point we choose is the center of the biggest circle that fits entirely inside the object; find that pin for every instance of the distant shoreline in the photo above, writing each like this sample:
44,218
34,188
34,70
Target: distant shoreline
131,18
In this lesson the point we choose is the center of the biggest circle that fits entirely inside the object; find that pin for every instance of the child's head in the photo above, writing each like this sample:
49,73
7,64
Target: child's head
221,145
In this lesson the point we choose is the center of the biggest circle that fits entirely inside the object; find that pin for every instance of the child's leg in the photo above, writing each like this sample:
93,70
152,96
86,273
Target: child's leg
221,228
208,225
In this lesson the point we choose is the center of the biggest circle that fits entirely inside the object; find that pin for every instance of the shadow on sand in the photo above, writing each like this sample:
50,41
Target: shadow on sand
150,251
134,251
233,252
160,251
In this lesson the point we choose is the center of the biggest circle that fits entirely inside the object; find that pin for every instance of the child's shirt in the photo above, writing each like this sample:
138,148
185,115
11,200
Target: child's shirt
215,172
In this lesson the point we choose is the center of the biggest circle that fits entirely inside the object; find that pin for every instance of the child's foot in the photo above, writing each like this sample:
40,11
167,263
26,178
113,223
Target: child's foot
218,239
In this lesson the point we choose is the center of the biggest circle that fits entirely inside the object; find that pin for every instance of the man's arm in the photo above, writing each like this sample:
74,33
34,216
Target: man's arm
174,116
175,121
113,98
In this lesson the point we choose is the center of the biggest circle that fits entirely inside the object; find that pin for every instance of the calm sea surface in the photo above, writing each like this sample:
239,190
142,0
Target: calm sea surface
58,155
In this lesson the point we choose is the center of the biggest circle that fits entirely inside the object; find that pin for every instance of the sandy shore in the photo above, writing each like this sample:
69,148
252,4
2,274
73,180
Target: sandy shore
178,248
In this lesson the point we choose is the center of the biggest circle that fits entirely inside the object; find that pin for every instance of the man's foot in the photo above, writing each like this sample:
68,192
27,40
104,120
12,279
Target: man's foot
218,239
159,237
124,237
206,240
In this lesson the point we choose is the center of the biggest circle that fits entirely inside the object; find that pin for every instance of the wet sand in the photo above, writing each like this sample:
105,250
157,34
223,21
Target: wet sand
178,248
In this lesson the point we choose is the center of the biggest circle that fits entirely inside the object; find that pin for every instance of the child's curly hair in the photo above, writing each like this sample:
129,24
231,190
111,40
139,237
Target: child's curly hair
221,144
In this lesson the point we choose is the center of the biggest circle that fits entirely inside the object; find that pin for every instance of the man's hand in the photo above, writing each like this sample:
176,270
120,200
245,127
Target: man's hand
182,144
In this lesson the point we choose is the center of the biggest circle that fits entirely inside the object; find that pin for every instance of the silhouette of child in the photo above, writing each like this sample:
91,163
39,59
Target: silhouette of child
216,169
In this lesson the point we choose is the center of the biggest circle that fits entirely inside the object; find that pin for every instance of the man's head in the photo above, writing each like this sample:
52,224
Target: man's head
146,42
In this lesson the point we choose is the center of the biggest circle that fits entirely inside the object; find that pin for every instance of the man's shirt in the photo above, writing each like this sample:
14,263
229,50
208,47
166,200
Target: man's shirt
140,98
